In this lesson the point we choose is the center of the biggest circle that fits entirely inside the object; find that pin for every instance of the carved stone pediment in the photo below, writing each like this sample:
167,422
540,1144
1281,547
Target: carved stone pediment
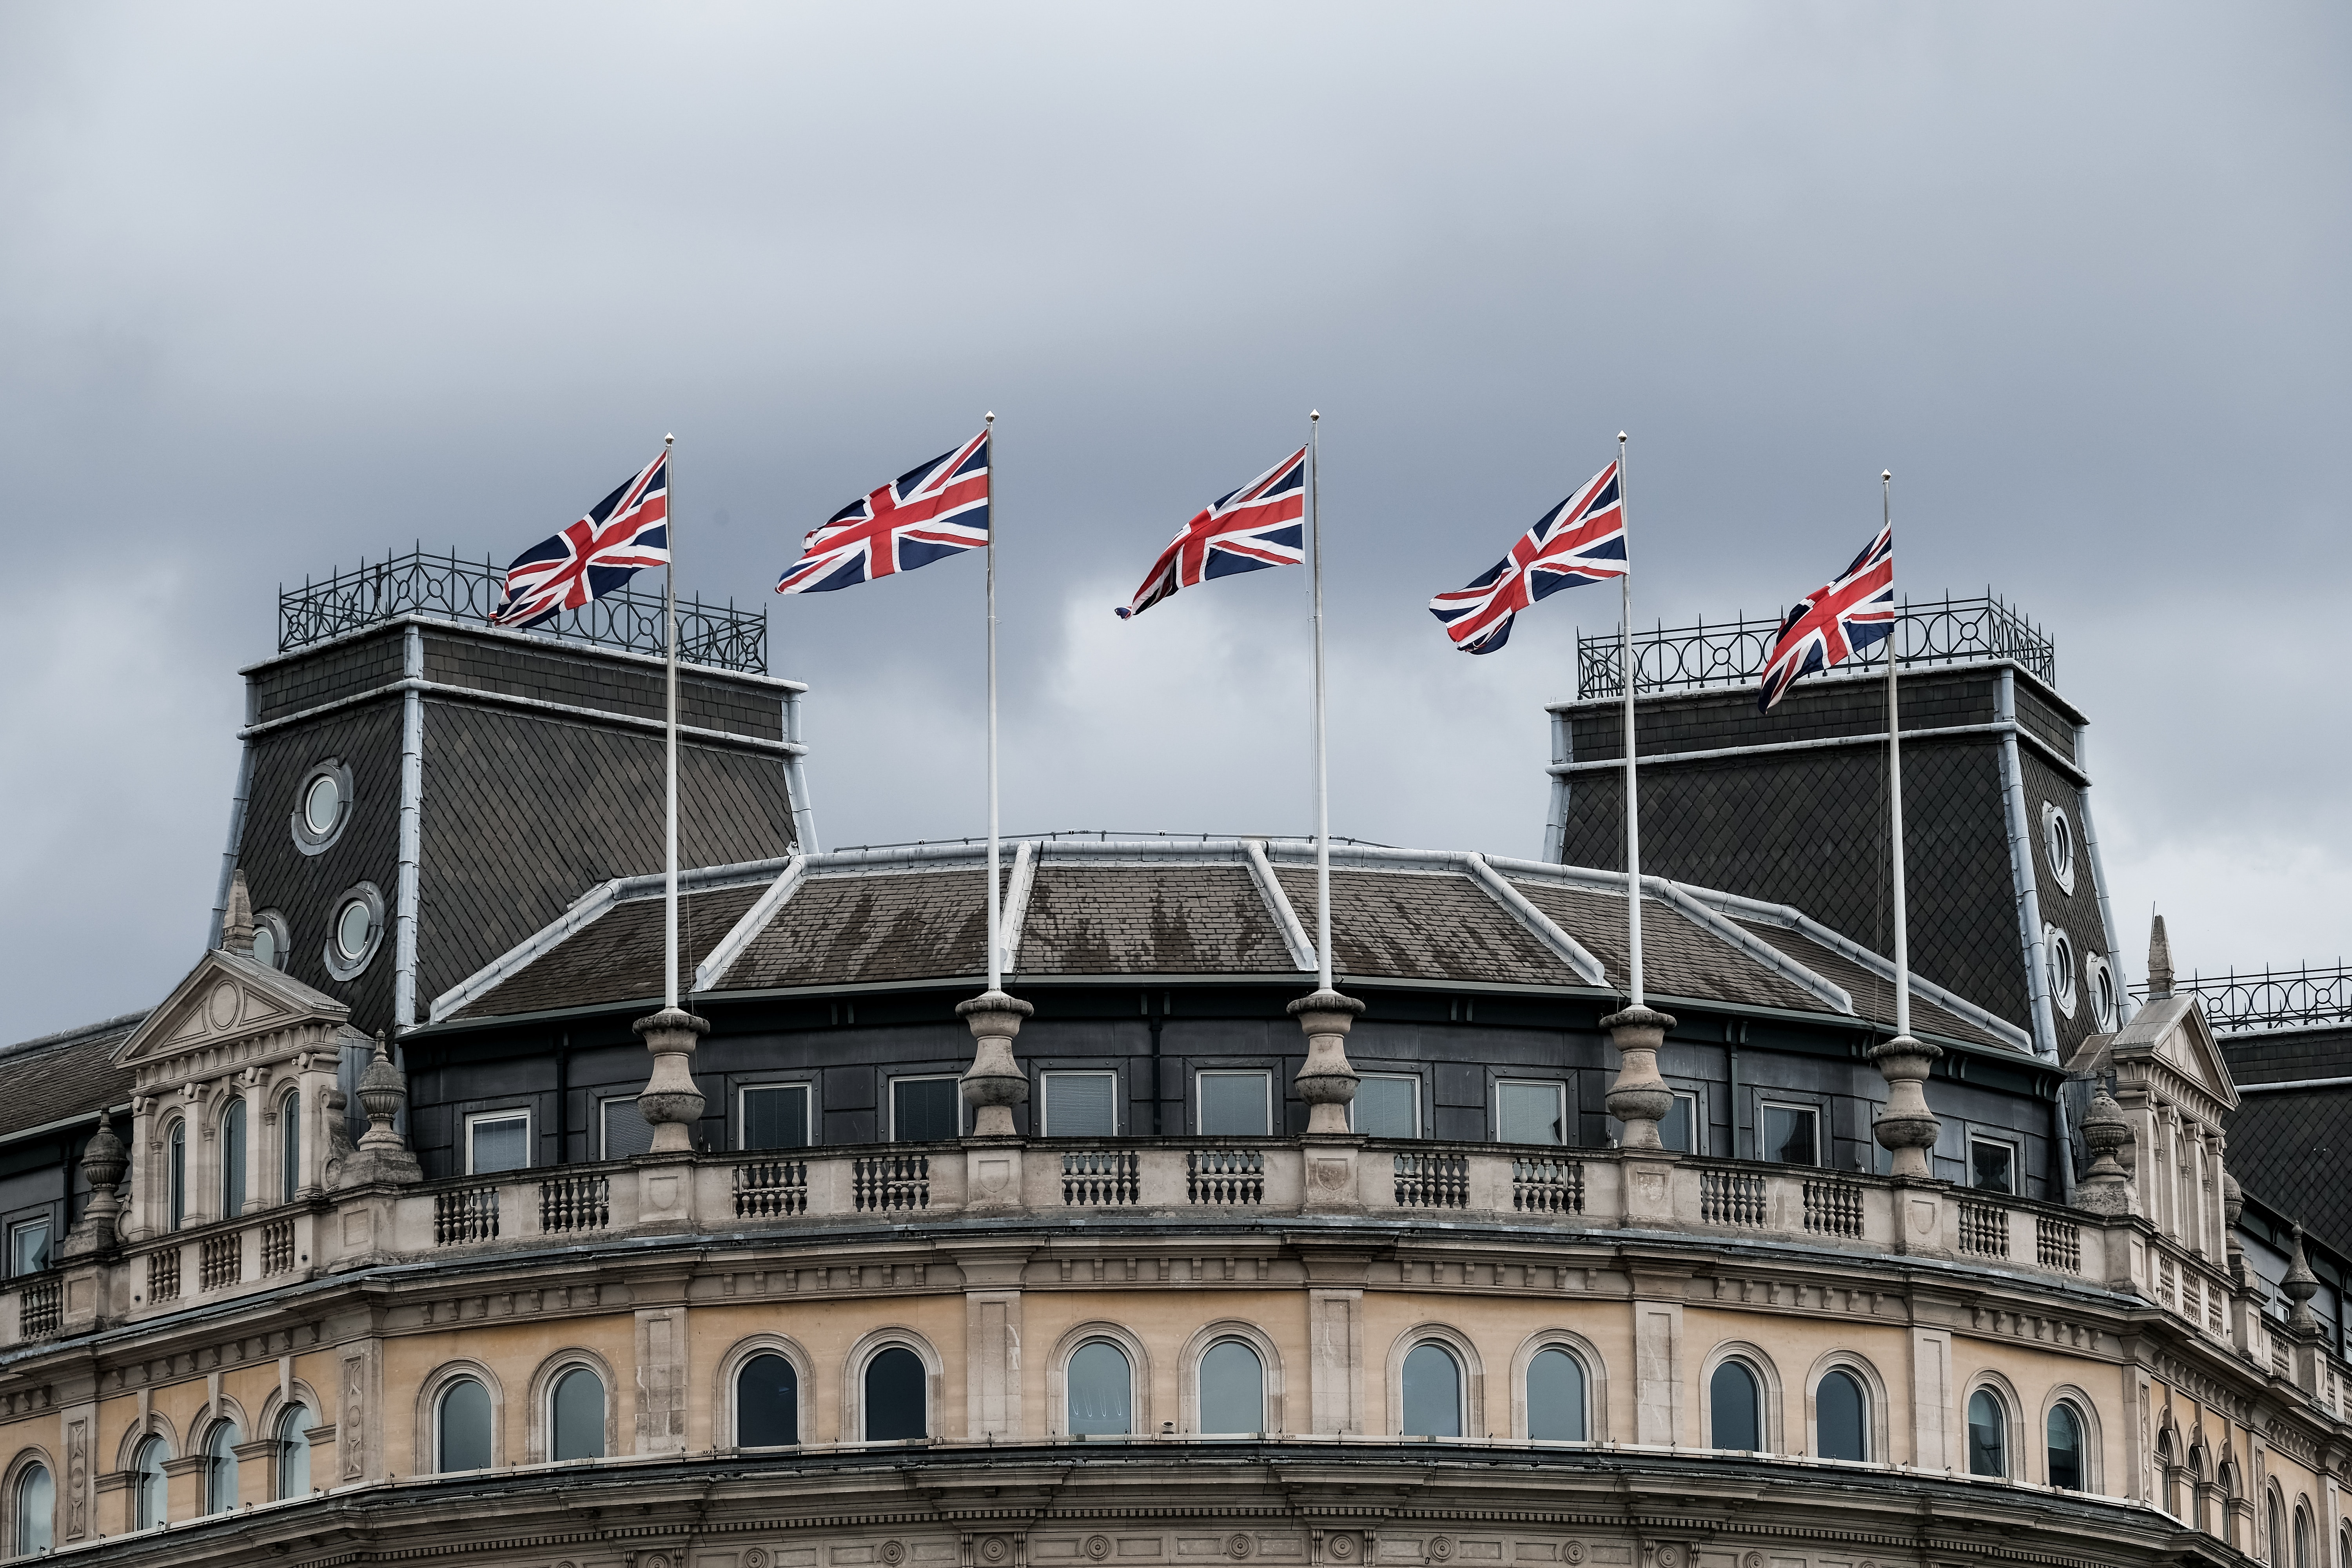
231,1012
2169,1038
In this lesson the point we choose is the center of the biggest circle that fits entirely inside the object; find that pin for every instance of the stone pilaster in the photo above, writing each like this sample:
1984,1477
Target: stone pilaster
1906,1128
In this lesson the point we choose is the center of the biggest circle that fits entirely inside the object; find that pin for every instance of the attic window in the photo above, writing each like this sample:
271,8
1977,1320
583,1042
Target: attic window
271,944
355,933
2100,977
2058,838
2061,969
323,805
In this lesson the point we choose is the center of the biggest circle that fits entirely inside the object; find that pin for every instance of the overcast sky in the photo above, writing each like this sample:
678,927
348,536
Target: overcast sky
284,286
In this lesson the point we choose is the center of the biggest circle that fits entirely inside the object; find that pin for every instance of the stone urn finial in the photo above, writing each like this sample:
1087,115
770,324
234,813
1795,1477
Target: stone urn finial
1637,1096
994,1082
2299,1286
383,1156
670,1100
1326,1080
2106,1188
103,1160
1906,1128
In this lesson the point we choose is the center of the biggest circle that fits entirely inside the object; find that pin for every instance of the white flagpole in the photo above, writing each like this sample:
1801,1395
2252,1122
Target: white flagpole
1632,794
669,618
1322,768
995,939
1895,783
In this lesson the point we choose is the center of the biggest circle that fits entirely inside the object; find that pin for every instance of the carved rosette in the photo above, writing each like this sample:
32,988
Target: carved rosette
670,1100
1638,1096
994,1083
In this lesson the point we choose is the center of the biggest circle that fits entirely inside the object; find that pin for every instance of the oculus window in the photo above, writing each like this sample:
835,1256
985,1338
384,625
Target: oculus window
1792,1135
1080,1105
1555,1397
355,931
767,1402
2099,978
37,1511
1236,1105
28,1247
1992,1166
462,1425
1100,1388
775,1116
2058,838
1387,1105
896,1395
294,1452
1233,1389
270,941
322,805
2060,949
626,1133
1432,1392
925,1110
1841,1417
1987,1434
1530,1112
1735,1403
498,1140
575,1416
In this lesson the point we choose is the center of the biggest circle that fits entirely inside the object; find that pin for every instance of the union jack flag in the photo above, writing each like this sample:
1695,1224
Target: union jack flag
933,511
622,535
1256,526
1580,540
1833,624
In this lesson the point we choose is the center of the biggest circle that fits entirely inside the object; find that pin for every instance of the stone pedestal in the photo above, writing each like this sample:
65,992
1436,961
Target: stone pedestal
1906,1128
1327,1082
1638,1096
382,1157
2107,1188
670,1101
994,1083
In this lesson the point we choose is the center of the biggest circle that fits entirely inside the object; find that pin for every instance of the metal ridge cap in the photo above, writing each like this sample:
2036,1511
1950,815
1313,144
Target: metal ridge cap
1561,941
1079,851
1589,877
1294,853
1950,1002
747,925
697,879
581,913
1755,948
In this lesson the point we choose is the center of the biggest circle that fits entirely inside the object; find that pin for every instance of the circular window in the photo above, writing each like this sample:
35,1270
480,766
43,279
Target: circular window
356,930
270,943
323,805
2100,975
2058,838
2061,969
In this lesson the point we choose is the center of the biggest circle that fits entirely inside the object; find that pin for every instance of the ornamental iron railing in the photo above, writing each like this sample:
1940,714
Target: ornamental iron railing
1731,653
2269,998
447,586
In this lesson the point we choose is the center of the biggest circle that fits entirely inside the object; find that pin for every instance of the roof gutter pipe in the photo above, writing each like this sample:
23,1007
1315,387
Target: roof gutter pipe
2021,878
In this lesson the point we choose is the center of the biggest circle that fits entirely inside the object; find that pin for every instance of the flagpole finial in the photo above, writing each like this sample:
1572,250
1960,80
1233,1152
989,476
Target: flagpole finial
989,418
1887,476
1314,415
668,440
1621,437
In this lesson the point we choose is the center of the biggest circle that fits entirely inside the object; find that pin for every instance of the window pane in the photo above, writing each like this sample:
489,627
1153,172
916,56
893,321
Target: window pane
627,1134
178,1175
1387,1108
1789,1134
1838,1417
1734,1406
1234,1105
1529,1113
924,1110
1992,1167
28,1248
502,1143
578,1414
232,1159
1233,1389
466,1427
1432,1393
220,1468
153,1497
1081,1105
776,1117
1988,1437
895,1395
2065,1448
1555,1397
294,1452
36,1502
1101,1392
767,1402
290,1147
1678,1131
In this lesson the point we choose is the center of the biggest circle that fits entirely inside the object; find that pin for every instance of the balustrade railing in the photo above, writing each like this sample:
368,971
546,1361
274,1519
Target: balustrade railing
2058,1244
1833,1208
219,1261
164,1275
40,1308
1226,1176
468,1214
771,1189
892,1182
1733,1198
277,1247
1547,1186
1096,1178
1433,1181
1984,1228
575,1202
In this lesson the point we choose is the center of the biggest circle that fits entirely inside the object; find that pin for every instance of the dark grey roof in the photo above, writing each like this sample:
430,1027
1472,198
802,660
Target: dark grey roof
1200,908
60,1077
2289,1149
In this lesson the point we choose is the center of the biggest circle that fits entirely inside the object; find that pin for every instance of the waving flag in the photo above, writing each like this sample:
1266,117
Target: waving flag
1832,625
622,535
933,511
1256,526
1580,540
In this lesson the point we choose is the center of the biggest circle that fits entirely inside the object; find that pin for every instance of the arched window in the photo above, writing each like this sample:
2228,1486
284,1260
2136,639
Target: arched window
1735,1407
154,1496
1100,1388
37,1511
2303,1537
1433,1392
896,1396
232,1148
2168,1474
2275,1516
1841,1416
2228,1478
2065,1448
1987,1434
294,1452
175,1176
1555,1397
1233,1389
462,1425
575,1416
767,1402
2197,1487
290,1146
220,1466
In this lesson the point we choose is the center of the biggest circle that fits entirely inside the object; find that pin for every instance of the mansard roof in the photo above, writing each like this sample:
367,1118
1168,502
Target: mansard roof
65,1077
1091,907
